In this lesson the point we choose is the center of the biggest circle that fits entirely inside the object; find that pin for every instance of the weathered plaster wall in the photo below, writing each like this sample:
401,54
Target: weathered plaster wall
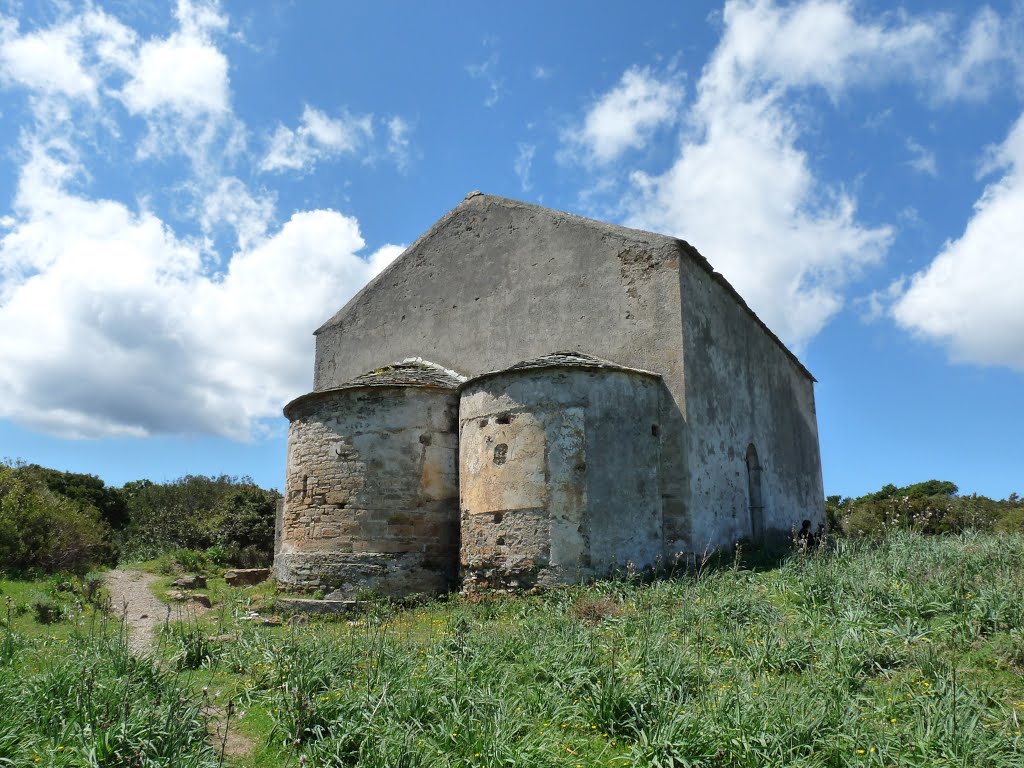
559,475
741,388
371,494
497,281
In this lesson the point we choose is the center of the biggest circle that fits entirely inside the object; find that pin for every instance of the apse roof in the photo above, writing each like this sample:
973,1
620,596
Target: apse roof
567,359
411,372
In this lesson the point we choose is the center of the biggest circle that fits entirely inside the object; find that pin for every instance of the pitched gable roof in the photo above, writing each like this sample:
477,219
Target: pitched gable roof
478,200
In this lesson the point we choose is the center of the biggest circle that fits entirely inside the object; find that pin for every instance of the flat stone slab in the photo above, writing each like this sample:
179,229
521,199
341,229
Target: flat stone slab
190,582
194,597
242,577
308,605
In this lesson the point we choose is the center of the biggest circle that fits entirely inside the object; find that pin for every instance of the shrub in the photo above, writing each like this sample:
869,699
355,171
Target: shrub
47,611
84,490
231,519
245,525
191,560
931,507
1011,521
42,531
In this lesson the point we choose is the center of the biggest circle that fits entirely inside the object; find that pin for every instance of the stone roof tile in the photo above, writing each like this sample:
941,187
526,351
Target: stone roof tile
569,359
413,372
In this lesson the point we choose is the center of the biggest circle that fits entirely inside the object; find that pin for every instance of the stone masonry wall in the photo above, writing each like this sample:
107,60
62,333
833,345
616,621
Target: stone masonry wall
371,494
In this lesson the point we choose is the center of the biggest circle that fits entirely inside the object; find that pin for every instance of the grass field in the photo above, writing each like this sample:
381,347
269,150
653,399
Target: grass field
908,652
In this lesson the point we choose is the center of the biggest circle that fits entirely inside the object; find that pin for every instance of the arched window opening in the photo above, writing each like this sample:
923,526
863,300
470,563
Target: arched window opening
754,493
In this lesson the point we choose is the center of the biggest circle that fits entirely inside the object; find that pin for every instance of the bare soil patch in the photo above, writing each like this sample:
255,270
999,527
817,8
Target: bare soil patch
131,596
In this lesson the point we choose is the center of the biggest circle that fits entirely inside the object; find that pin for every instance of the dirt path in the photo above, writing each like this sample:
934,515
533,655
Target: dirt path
131,596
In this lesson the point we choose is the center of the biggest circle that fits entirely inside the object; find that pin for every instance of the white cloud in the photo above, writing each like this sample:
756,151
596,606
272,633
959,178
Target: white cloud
487,71
523,163
184,74
48,61
67,63
180,86
922,159
181,74
626,116
743,191
398,141
742,187
974,70
969,298
541,72
114,321
114,325
231,204
877,304
318,137
381,258
814,43
177,84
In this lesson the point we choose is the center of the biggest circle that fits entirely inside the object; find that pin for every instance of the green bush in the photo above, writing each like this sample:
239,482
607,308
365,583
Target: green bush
931,507
41,531
244,525
231,518
1011,521
84,490
47,611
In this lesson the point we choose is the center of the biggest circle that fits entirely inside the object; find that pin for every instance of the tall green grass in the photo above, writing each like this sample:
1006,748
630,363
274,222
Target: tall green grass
904,652
82,699
908,652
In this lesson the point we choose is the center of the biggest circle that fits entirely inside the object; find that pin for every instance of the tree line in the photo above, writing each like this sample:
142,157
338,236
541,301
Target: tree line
931,507
54,521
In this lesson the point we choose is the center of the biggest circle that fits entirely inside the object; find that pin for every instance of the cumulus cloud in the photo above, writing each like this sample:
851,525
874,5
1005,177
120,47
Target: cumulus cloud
380,259
66,63
121,320
969,298
625,117
743,191
815,43
47,61
229,203
741,186
117,326
318,137
178,85
184,73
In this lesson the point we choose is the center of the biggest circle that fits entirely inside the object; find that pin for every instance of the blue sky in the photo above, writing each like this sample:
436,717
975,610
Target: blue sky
187,191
